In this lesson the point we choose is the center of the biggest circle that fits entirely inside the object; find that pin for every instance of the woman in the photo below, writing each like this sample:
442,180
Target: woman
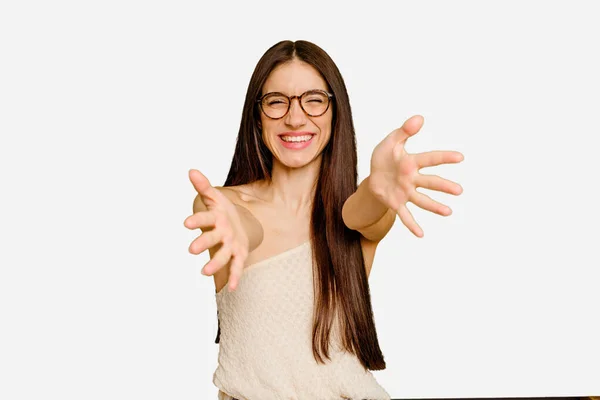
293,236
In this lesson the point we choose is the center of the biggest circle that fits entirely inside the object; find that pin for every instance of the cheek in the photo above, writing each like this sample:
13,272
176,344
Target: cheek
267,132
326,129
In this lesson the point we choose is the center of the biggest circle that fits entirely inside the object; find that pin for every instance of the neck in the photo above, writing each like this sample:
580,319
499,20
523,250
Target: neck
294,188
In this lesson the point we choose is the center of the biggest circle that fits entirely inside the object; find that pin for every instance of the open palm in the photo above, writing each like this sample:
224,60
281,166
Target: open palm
395,175
221,224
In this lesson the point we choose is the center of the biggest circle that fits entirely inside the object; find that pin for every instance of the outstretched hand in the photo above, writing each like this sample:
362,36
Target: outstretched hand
395,175
222,216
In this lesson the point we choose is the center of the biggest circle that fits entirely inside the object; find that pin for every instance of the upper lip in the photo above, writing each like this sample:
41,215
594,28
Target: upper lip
296,134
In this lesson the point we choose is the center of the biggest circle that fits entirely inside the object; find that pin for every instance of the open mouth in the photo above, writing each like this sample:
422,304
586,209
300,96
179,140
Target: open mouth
296,139
296,142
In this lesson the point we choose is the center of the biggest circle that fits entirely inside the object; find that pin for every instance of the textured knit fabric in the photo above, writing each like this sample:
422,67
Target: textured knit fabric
265,348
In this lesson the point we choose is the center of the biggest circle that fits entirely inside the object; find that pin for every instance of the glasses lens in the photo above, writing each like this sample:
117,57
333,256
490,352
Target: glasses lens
275,105
315,103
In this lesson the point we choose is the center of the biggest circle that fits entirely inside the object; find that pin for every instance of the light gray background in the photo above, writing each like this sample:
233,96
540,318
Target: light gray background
105,106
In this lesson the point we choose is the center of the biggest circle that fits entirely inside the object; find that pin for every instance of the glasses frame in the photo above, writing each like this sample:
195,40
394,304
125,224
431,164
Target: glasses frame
291,98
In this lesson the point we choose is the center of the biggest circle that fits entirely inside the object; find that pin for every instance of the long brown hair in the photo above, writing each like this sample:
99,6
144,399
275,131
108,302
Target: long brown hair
340,279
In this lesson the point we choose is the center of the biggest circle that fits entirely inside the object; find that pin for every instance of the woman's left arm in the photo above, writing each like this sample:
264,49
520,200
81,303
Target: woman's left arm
394,177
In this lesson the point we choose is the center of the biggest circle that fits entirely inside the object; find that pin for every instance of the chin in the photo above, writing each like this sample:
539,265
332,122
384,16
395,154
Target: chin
297,162
294,163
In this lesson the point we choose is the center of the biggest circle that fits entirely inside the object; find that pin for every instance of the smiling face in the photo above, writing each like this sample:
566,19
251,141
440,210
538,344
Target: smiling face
294,78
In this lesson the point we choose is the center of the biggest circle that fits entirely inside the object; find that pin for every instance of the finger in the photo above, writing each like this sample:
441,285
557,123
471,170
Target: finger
409,221
201,219
235,272
434,182
432,158
218,260
202,185
427,203
409,128
205,241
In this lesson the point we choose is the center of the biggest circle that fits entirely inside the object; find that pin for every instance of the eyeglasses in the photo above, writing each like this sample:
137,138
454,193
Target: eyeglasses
276,105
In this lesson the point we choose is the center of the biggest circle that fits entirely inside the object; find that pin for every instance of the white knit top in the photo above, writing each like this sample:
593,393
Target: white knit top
265,347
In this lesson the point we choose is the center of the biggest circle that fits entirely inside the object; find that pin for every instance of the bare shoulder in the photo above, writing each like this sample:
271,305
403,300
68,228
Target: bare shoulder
231,192
241,195
237,195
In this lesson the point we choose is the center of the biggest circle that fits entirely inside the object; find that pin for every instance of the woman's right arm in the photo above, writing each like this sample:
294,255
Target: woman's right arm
229,231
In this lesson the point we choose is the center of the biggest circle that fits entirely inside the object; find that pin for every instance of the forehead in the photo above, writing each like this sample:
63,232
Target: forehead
294,78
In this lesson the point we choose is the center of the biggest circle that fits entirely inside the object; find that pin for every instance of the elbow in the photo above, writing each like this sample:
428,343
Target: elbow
346,213
377,231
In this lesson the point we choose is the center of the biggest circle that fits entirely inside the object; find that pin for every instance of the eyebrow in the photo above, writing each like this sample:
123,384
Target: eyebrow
279,91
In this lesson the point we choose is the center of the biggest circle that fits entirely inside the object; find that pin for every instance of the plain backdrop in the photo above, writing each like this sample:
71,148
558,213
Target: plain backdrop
105,106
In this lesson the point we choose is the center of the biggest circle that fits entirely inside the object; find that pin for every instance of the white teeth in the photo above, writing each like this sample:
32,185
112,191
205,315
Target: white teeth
296,138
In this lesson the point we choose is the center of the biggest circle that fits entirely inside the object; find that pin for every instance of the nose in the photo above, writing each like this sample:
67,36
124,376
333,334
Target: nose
295,116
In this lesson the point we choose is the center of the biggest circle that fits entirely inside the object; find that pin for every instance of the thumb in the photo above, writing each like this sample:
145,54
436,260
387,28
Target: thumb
201,183
409,128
